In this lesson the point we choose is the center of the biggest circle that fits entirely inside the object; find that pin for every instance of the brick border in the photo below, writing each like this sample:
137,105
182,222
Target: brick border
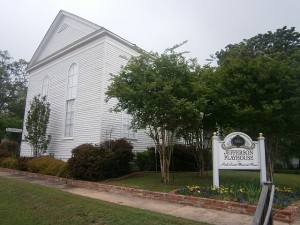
286,215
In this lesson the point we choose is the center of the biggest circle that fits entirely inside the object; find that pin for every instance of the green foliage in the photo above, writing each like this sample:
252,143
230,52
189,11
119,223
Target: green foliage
23,163
93,162
9,162
13,88
88,162
142,160
48,166
9,121
121,157
9,148
283,43
5,153
183,158
37,123
259,89
248,193
157,90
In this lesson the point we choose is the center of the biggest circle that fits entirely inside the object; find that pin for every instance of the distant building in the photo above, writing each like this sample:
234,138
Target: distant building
72,67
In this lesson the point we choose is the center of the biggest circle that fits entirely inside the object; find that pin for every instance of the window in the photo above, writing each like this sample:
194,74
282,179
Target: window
72,82
70,104
69,124
45,88
127,131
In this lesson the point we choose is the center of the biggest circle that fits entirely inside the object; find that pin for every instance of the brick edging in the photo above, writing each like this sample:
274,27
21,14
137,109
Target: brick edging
286,215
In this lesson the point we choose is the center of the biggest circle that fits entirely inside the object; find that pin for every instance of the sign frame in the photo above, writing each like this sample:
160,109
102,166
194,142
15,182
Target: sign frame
238,152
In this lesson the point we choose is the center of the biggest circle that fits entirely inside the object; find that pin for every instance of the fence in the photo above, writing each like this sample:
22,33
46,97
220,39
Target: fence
263,213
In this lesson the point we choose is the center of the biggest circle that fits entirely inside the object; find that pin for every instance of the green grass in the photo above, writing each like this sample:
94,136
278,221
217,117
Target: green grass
152,181
30,204
240,186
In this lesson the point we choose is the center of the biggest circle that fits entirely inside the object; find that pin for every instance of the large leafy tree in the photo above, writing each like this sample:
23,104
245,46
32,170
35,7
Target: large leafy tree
260,86
37,123
13,88
153,88
200,122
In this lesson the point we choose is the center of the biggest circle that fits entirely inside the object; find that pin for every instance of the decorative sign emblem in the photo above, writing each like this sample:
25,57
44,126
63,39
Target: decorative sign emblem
238,141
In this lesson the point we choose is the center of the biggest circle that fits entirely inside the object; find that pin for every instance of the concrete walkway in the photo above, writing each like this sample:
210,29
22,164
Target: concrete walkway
188,212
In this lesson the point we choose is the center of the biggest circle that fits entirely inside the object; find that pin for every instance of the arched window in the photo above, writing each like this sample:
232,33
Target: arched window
70,103
45,88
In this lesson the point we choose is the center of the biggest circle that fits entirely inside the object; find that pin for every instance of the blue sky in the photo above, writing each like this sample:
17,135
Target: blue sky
151,24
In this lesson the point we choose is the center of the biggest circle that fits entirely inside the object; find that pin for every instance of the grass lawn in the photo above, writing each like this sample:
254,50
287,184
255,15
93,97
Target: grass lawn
239,186
151,180
30,204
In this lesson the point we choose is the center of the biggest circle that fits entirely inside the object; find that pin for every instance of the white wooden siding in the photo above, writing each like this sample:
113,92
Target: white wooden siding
73,31
87,109
94,122
114,59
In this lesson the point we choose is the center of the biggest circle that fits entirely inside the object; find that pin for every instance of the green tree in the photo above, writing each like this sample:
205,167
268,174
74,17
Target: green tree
200,122
36,125
260,87
153,89
13,122
13,88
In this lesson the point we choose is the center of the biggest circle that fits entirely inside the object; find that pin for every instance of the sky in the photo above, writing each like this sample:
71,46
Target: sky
153,25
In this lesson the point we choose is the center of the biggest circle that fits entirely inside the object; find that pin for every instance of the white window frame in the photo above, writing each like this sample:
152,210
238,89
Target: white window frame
70,119
70,101
127,132
45,87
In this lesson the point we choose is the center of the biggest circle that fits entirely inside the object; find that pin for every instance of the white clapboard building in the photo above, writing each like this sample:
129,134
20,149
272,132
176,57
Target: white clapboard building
72,67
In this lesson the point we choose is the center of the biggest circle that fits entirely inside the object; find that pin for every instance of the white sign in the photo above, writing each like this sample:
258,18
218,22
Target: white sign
238,152
14,130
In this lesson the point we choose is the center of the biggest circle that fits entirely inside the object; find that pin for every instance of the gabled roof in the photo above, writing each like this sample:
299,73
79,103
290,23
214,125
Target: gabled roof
66,33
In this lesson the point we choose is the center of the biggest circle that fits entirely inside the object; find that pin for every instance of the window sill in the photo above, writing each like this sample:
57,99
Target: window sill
130,139
68,138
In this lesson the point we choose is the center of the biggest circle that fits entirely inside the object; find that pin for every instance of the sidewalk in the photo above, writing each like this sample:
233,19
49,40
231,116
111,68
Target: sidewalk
188,212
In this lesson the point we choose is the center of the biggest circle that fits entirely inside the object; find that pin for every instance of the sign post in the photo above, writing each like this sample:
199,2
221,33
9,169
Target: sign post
215,142
238,152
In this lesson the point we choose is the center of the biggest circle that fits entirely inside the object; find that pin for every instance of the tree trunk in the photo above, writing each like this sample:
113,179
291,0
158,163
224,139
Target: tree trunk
201,159
163,142
272,145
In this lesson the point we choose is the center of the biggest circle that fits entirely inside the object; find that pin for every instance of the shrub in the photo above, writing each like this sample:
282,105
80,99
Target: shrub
120,158
55,168
142,160
23,163
64,171
86,162
154,159
47,165
9,162
5,154
98,162
182,159
10,148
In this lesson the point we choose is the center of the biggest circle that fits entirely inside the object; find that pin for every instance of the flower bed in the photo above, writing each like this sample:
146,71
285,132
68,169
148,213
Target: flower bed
248,194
